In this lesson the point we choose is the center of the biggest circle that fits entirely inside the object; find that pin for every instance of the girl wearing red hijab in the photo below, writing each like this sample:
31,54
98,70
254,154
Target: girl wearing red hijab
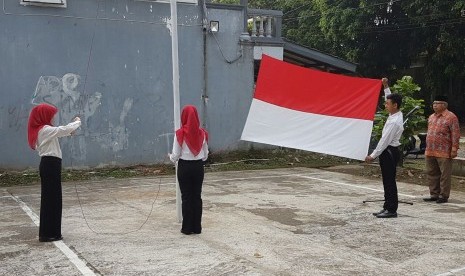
190,149
43,137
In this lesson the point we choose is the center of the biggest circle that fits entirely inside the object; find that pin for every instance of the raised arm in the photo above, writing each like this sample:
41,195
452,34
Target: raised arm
387,90
62,131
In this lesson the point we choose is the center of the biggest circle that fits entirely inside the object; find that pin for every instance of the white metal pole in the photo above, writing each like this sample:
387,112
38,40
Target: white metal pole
176,102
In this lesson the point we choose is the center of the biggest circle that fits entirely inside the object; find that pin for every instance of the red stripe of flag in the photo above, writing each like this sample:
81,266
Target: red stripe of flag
317,92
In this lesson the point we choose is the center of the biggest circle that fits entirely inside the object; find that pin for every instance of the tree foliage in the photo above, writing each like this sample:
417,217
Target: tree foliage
430,31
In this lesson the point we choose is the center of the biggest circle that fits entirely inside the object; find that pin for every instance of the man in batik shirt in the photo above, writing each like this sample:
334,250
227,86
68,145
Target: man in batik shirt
442,144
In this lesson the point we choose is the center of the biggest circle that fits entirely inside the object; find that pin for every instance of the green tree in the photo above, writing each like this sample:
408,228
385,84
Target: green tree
432,30
441,28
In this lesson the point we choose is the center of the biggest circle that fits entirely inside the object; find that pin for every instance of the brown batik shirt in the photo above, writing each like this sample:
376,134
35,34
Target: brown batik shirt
443,134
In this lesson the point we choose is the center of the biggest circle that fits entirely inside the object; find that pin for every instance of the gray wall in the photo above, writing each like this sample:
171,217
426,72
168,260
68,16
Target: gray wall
110,63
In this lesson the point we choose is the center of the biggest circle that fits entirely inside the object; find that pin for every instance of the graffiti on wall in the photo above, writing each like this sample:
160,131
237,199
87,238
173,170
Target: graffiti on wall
64,93
117,137
17,117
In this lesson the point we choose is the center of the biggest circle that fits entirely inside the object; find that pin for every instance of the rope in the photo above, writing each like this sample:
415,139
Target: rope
117,233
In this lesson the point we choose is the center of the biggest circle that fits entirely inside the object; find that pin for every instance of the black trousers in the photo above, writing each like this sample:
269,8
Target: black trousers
190,177
388,162
51,197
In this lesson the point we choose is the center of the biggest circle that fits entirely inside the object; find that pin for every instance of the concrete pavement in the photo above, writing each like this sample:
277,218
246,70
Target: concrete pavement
296,221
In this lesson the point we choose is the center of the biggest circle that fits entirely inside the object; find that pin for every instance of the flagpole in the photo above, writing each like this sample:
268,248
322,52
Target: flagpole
176,102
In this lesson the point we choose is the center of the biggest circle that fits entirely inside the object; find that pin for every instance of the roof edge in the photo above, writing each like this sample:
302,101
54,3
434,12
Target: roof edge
319,56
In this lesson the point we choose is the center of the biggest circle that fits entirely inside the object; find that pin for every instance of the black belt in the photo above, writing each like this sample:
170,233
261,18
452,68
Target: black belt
191,161
388,149
48,157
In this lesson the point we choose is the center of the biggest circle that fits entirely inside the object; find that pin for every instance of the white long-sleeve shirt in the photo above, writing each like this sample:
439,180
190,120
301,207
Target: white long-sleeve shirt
47,140
392,131
387,92
183,152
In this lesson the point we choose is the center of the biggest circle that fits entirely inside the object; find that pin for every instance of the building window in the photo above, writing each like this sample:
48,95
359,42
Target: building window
44,3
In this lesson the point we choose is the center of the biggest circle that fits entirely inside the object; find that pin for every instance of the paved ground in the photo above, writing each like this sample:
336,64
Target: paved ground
275,222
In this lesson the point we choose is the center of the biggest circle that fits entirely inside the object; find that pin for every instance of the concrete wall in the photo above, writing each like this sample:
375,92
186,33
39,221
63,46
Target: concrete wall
110,63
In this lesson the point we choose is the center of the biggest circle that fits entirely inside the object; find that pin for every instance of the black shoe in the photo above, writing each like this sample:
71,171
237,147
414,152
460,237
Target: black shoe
185,232
380,212
44,239
430,199
441,200
387,214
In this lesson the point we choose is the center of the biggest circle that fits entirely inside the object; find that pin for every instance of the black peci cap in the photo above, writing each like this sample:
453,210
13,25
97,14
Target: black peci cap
440,98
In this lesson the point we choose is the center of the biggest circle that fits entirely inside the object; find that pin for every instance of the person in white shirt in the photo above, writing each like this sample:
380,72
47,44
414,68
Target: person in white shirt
190,150
388,151
43,137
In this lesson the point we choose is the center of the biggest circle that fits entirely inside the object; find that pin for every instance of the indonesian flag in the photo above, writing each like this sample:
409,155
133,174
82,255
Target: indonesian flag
311,110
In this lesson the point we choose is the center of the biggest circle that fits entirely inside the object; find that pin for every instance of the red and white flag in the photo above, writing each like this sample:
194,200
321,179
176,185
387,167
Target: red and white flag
306,109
